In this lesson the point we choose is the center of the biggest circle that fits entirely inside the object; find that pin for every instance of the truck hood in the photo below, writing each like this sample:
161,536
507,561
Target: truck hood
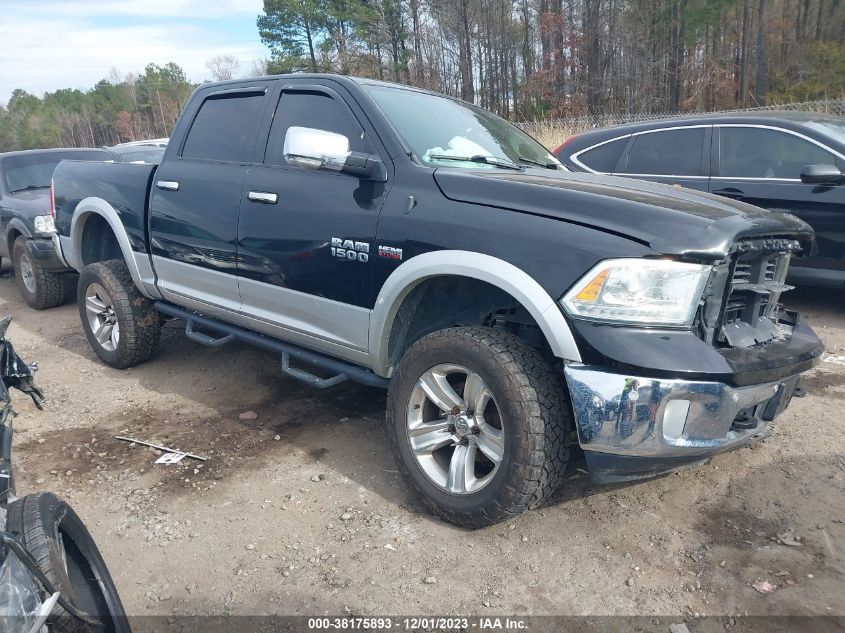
29,203
671,220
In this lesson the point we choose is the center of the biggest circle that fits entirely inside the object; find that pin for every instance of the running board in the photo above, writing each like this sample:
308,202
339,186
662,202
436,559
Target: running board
341,371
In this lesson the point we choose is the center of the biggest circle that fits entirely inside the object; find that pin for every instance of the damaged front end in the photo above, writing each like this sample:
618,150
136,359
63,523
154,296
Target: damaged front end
650,400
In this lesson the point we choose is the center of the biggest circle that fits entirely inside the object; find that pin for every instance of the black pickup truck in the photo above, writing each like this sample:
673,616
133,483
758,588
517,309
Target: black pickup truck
26,222
402,239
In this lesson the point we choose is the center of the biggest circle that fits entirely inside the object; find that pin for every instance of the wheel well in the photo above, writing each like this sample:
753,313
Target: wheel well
14,234
442,302
98,241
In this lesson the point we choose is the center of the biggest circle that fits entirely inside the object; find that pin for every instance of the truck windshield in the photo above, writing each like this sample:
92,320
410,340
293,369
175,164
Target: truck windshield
443,131
34,171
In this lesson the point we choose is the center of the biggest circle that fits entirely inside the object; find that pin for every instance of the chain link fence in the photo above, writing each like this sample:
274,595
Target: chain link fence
553,132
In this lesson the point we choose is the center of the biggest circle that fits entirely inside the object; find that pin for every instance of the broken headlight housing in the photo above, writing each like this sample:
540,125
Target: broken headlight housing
639,292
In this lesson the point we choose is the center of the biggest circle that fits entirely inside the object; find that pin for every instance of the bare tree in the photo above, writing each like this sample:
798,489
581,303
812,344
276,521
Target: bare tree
223,67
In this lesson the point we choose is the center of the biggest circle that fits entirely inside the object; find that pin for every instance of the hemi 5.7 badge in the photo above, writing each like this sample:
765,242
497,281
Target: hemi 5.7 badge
389,252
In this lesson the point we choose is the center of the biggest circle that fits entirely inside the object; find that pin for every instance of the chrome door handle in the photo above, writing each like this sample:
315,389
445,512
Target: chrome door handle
168,185
263,197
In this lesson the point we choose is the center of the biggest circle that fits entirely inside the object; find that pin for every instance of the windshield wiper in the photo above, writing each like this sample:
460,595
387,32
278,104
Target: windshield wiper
29,188
528,161
478,158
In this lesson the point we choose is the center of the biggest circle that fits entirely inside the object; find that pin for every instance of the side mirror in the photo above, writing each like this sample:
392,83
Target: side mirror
310,148
820,174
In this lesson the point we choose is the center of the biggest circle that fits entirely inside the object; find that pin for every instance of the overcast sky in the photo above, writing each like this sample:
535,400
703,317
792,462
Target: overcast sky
50,44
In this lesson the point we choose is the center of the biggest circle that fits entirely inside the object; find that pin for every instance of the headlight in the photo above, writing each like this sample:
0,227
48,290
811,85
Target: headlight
639,291
45,224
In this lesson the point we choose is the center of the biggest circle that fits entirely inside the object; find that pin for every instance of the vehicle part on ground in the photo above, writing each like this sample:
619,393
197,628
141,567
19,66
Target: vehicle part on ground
47,527
120,323
132,440
479,424
40,288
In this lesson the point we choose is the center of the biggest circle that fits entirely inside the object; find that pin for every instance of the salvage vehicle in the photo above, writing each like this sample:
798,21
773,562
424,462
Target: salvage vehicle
407,240
26,223
52,576
791,162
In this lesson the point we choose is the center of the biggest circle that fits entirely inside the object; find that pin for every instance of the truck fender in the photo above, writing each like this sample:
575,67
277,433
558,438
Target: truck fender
516,282
139,264
15,225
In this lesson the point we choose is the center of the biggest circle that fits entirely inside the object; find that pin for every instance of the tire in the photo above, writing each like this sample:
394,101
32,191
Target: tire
107,296
41,289
53,533
521,444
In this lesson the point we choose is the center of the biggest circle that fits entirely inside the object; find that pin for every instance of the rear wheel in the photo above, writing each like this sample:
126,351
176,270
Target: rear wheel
40,288
52,532
478,421
120,323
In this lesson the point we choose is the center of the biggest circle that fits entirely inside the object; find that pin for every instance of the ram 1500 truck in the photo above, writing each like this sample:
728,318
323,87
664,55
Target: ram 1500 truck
404,239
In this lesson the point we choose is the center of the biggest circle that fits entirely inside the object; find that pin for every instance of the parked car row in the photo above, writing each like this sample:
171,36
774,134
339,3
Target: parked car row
26,219
790,162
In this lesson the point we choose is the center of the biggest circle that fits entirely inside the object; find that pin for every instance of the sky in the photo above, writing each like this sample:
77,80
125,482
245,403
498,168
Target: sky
50,44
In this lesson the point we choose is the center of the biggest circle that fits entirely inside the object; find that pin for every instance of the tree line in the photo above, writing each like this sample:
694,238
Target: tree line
524,59
527,59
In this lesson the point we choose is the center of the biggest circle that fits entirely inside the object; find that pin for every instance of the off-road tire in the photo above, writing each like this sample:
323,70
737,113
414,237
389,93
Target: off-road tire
50,287
535,413
139,322
55,536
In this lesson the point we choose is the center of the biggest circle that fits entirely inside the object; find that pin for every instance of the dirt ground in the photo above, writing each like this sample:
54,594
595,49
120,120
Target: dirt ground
301,510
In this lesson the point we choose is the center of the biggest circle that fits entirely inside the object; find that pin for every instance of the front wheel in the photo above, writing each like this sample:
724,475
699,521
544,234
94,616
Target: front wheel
479,424
120,323
40,288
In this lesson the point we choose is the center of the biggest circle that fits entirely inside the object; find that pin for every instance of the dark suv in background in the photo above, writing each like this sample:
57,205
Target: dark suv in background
781,161
26,222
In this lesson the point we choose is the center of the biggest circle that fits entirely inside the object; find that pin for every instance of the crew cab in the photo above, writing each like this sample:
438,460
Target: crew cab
399,238
26,224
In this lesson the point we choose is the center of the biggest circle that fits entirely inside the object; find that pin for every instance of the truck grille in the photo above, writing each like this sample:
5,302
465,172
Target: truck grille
750,314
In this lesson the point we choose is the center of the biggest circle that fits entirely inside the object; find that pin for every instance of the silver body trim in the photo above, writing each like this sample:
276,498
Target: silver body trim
308,314
134,261
637,416
320,324
517,283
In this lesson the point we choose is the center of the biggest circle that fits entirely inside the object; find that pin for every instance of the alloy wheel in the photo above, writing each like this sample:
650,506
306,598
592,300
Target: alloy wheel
455,429
101,317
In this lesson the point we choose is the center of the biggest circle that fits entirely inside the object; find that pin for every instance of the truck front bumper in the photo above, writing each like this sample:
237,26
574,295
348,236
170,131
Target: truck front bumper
43,250
632,427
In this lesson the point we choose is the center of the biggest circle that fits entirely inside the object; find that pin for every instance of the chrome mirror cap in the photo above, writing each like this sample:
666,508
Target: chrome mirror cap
315,149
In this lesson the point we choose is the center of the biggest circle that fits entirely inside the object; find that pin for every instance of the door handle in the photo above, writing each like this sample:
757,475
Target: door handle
168,185
263,197
730,192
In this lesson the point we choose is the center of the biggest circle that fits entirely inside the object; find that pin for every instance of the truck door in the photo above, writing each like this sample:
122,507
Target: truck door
196,197
306,236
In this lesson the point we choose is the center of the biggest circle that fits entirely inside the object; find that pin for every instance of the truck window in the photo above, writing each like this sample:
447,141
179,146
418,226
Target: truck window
224,128
315,110
667,153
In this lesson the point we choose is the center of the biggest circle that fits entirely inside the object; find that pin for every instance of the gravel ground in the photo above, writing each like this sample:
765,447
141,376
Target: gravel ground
299,508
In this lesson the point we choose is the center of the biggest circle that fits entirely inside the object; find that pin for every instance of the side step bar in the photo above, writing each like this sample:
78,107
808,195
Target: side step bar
342,371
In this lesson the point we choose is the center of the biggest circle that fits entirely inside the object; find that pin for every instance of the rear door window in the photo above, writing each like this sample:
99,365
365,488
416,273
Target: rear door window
667,153
751,152
603,158
225,127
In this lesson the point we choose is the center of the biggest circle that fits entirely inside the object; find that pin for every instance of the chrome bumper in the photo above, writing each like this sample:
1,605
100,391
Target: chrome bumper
666,418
